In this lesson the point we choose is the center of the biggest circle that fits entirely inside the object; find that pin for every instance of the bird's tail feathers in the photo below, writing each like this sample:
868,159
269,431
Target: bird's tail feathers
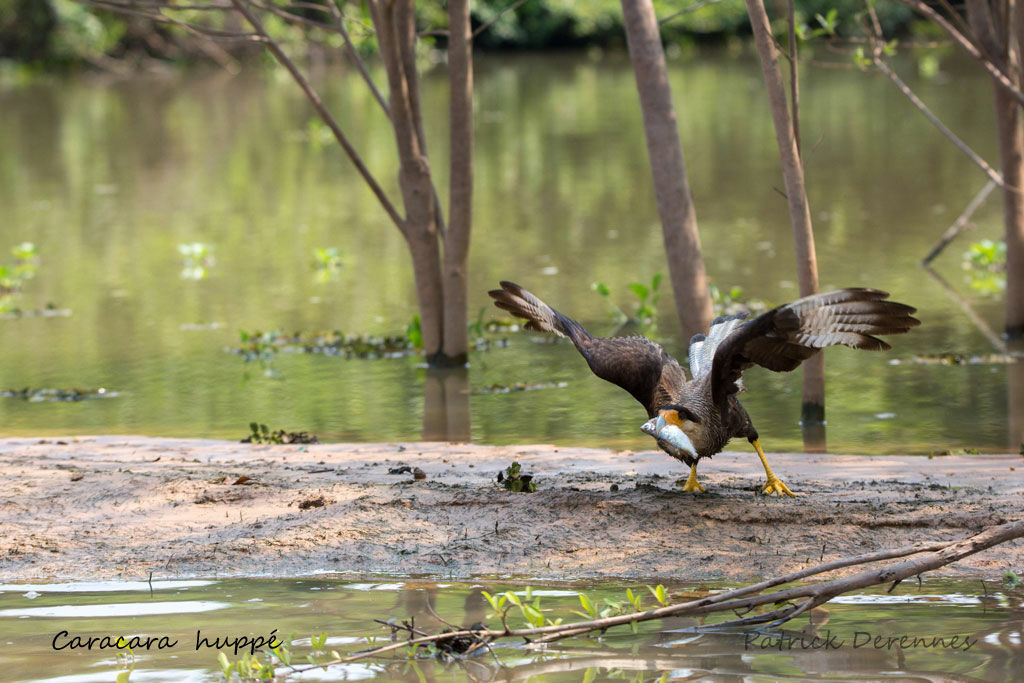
539,316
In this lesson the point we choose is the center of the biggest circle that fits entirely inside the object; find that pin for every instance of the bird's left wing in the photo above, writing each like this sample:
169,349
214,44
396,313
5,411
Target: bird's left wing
784,337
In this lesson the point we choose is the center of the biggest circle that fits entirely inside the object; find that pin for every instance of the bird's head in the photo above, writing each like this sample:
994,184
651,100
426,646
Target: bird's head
673,427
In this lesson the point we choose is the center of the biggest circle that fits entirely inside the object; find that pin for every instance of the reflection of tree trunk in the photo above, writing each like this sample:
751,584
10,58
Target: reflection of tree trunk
671,187
813,410
997,34
446,405
1015,400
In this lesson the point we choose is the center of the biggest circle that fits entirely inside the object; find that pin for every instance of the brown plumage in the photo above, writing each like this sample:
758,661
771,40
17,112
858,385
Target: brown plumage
705,406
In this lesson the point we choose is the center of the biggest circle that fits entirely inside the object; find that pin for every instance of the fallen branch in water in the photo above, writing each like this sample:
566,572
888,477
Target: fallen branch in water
931,556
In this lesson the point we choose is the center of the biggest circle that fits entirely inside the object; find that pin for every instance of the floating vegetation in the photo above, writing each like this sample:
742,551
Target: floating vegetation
950,358
14,275
259,433
732,301
986,261
513,479
57,395
263,345
49,311
646,302
520,386
198,258
327,263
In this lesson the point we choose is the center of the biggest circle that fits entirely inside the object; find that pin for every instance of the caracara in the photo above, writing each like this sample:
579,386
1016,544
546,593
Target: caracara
695,418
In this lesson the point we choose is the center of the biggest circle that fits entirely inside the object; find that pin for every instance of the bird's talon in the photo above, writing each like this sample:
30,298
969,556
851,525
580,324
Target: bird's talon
775,485
691,482
692,486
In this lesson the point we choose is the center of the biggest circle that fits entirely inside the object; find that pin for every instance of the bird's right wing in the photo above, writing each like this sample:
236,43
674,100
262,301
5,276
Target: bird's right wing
784,337
638,365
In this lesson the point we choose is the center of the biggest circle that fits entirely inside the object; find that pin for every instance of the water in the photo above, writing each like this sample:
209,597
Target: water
108,178
33,617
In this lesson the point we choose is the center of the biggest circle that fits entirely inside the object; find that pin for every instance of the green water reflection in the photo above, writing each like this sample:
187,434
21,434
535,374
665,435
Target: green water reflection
33,617
109,178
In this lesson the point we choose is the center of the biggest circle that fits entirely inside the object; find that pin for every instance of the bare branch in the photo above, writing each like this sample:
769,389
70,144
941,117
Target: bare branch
339,21
322,110
508,8
960,223
996,340
155,15
877,45
967,44
794,81
931,556
686,10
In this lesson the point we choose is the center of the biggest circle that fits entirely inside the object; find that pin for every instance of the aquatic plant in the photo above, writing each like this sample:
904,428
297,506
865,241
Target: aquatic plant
986,262
327,263
514,480
198,257
732,301
14,275
646,302
259,433
57,395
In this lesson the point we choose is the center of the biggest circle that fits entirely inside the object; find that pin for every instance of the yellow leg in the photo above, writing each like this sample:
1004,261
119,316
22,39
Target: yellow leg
691,482
774,484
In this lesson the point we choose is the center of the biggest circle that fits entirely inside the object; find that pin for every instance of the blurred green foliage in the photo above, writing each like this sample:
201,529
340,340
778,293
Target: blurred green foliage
61,32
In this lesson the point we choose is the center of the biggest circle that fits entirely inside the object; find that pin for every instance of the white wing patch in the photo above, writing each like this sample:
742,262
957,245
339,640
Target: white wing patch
703,347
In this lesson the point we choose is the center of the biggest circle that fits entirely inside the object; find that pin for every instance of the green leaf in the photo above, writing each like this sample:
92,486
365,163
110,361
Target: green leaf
123,677
640,290
225,665
587,605
602,289
533,615
659,593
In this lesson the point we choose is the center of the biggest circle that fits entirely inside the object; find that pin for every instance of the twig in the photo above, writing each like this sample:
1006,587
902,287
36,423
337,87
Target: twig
960,223
339,20
686,10
937,555
998,343
967,44
325,115
794,81
877,43
486,25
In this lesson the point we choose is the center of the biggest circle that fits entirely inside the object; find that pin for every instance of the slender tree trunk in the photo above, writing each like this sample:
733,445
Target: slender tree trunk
813,410
1011,153
460,207
998,33
671,186
393,22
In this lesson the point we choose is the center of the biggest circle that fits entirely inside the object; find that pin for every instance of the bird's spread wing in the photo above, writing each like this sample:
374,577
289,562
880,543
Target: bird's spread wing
638,365
784,337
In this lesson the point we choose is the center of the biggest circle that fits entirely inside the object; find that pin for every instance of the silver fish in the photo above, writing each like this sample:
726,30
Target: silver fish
670,435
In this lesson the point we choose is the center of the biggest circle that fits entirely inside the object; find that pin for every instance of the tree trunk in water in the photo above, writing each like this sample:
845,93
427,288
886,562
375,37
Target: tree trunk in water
671,187
1011,153
813,409
460,207
998,35
393,22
